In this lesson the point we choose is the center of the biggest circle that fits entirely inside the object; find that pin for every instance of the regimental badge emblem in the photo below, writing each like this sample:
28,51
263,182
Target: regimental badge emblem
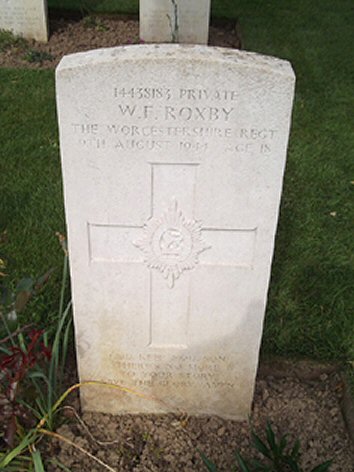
172,243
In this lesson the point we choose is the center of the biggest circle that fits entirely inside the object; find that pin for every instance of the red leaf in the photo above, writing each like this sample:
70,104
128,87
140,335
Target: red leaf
46,351
34,335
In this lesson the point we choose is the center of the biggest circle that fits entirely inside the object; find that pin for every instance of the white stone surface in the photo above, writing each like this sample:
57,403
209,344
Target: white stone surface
174,21
27,18
173,159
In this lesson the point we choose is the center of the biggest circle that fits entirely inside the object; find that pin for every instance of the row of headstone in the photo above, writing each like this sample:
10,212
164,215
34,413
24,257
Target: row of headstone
176,21
26,18
173,159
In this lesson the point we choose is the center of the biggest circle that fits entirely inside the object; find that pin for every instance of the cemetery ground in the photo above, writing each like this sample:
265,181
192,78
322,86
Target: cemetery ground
310,305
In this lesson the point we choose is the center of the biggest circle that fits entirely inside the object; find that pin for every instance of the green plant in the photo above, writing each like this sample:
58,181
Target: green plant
13,302
49,397
48,382
15,365
8,41
94,22
29,440
33,55
20,364
279,456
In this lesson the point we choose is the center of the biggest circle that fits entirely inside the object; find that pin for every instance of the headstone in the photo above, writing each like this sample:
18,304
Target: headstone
173,159
27,18
174,21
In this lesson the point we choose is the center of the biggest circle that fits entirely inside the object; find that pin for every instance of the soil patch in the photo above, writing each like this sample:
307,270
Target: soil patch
69,35
303,404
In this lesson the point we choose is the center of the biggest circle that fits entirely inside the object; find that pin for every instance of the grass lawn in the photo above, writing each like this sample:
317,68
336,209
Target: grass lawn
310,309
31,208
226,8
96,6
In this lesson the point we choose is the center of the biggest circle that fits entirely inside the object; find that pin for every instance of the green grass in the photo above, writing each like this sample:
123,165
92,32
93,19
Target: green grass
224,8
96,6
8,41
311,299
310,309
31,202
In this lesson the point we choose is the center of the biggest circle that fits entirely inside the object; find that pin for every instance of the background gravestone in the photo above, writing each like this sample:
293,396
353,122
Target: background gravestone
27,18
173,159
174,21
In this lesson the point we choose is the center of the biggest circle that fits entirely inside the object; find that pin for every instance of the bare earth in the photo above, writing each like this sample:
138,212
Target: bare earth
304,403
301,403
69,36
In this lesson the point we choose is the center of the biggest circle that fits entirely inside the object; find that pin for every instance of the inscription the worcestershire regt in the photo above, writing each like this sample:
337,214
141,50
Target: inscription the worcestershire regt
194,140
176,113
124,130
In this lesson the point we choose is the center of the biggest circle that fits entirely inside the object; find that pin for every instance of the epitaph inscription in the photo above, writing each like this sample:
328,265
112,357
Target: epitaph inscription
173,159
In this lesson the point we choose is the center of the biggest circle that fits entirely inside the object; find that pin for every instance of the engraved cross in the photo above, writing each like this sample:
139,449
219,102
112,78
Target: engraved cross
170,244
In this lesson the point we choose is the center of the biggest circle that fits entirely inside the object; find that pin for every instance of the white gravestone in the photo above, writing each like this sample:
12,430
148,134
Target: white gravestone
173,159
27,18
174,21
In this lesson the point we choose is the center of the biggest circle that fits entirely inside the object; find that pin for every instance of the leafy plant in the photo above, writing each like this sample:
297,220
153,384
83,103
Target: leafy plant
33,55
278,456
208,463
17,454
21,351
30,387
8,40
48,382
14,368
